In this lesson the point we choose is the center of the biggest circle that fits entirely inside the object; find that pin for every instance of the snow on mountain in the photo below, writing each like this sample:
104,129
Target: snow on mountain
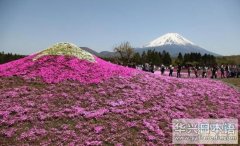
169,39
174,43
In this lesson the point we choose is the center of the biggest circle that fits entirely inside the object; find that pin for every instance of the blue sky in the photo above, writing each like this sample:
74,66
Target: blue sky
28,26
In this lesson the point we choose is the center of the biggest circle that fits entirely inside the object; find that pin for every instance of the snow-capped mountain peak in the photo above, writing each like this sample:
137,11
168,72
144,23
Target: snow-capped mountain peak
169,39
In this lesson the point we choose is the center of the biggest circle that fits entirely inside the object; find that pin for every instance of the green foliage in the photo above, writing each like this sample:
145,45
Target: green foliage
127,56
179,59
137,58
166,58
198,59
6,57
235,59
153,57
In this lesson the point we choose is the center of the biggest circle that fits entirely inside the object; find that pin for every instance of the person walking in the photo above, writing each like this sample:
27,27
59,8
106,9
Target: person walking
227,70
162,69
179,68
204,72
238,71
196,71
222,71
214,72
152,68
171,70
189,71
147,67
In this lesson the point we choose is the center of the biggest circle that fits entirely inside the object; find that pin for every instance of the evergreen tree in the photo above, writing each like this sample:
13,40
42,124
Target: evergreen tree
166,58
144,57
6,57
137,59
179,59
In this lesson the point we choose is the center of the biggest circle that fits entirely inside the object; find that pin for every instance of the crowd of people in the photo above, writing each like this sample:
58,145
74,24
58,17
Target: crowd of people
222,71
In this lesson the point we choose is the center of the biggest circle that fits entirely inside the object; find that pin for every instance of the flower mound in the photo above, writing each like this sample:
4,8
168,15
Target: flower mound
55,65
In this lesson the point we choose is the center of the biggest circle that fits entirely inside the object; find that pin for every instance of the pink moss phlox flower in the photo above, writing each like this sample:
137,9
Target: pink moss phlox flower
98,129
95,113
54,69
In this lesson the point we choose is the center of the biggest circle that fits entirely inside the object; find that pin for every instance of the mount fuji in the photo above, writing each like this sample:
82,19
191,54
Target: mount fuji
174,43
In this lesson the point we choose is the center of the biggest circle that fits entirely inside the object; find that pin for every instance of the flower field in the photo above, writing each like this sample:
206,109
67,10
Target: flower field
64,100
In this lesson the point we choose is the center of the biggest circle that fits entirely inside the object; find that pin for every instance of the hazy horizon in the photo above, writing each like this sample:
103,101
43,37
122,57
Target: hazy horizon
30,26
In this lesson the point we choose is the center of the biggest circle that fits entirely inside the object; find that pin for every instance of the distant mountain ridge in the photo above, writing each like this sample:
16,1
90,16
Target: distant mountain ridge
174,43
170,42
101,54
91,51
175,49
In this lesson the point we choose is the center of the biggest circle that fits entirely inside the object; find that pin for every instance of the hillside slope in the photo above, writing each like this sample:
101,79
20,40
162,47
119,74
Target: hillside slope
65,105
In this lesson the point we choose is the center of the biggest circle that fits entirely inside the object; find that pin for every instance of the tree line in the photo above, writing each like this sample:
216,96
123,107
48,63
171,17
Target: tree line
6,57
196,59
125,55
152,57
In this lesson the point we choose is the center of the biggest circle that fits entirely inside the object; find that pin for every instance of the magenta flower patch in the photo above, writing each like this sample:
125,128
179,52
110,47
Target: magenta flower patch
64,100
54,69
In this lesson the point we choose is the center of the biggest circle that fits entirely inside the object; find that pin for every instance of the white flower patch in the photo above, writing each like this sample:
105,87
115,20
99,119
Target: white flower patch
66,49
